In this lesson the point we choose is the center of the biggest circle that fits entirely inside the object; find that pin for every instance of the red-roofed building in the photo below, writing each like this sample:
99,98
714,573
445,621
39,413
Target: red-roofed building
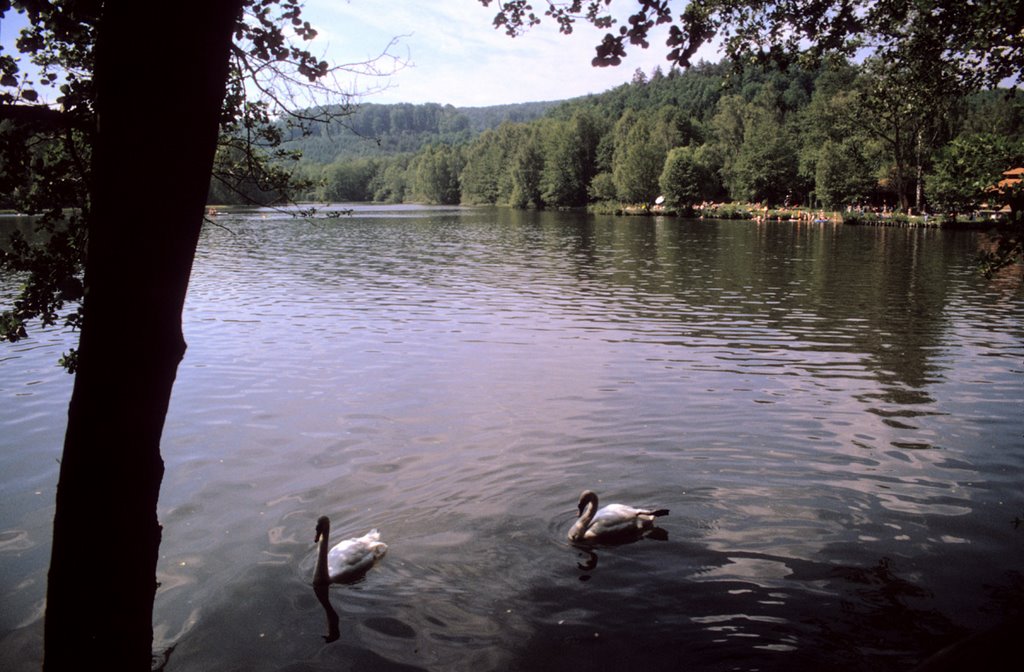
1011,190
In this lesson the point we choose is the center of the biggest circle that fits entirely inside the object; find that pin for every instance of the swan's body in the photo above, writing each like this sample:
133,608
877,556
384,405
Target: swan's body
347,561
613,523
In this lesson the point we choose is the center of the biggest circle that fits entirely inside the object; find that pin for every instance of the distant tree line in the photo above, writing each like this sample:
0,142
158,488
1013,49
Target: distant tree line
834,136
374,130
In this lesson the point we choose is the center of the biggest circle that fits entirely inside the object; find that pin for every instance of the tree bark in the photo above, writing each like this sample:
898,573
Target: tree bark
919,182
160,81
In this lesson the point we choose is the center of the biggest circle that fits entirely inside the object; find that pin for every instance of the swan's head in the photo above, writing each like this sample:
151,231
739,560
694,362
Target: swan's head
587,497
323,527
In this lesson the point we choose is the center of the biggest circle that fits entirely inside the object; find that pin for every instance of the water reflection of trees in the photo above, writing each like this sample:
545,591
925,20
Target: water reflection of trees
817,288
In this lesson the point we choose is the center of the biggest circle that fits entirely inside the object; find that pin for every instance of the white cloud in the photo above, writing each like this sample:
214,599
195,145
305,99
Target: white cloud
458,57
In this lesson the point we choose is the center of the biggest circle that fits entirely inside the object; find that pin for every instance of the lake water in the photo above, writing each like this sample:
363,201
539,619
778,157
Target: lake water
832,414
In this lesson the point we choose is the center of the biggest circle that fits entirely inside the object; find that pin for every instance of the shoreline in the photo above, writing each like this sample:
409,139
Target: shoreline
732,211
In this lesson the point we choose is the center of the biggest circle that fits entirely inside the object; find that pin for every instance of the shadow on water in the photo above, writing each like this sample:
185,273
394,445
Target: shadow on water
267,619
710,610
817,616
653,605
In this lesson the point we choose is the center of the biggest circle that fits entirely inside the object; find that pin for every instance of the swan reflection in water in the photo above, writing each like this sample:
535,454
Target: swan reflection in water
613,525
587,556
347,562
333,629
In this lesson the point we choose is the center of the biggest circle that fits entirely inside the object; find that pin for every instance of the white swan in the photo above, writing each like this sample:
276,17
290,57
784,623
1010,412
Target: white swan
613,523
347,561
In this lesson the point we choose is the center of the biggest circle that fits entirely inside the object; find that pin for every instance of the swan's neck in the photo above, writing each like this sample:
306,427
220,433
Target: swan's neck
581,525
588,512
320,575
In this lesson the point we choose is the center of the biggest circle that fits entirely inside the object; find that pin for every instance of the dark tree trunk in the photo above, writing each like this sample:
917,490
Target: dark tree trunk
160,76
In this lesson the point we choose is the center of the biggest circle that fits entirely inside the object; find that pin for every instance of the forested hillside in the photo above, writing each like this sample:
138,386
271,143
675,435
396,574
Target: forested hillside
382,130
838,136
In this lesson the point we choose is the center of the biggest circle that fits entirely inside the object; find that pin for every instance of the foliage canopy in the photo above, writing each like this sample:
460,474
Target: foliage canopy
982,39
276,89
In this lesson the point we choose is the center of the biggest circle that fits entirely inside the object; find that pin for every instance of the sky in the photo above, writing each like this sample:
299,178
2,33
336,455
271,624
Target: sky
453,54
457,57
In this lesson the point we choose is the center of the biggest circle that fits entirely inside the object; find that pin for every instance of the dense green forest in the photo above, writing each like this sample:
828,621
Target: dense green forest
373,130
837,136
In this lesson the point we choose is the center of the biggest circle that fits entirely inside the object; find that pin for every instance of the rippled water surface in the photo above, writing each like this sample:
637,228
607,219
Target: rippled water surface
832,414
